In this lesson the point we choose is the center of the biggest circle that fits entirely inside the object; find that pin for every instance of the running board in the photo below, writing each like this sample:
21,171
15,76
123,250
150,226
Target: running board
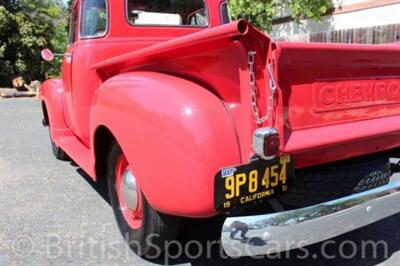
78,152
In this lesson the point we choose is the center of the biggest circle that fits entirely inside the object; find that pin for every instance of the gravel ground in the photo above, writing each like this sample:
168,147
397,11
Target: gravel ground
51,214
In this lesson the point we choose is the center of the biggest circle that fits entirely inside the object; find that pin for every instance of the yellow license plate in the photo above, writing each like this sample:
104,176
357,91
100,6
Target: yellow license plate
254,183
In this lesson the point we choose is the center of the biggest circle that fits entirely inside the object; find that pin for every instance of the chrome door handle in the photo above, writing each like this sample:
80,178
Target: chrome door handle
68,57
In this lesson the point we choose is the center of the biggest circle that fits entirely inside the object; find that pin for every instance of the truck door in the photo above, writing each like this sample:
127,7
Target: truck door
89,24
92,29
67,70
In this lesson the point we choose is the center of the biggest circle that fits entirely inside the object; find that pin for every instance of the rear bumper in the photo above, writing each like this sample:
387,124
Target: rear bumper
293,229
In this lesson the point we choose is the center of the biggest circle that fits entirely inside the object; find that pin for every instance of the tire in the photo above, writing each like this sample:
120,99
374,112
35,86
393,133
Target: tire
57,151
153,229
331,181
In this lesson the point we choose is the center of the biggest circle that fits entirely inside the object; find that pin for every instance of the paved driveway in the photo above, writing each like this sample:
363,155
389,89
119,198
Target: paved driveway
51,215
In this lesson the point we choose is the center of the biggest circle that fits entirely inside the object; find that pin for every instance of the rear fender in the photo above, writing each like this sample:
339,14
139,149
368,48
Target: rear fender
175,134
51,94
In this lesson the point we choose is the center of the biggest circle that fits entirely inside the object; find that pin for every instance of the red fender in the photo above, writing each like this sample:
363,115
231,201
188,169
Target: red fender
51,93
175,134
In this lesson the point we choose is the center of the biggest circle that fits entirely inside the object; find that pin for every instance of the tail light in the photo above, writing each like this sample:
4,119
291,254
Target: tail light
266,143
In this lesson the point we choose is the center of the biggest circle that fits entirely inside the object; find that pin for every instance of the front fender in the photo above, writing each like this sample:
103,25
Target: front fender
175,134
52,93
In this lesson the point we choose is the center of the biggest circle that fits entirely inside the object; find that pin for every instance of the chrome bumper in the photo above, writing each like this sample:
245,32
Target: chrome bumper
277,232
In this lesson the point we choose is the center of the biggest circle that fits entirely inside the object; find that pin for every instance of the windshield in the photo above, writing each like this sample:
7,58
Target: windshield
168,13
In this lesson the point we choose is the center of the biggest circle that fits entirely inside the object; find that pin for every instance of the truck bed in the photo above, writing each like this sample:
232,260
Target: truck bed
333,102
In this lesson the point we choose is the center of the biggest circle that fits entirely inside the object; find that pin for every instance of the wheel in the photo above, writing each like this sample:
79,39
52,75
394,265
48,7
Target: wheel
144,229
331,181
57,151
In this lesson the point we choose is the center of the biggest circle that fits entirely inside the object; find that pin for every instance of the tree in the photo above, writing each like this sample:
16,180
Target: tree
262,12
26,27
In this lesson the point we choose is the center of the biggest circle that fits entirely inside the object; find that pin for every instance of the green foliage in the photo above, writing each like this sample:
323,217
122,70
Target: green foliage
26,27
262,12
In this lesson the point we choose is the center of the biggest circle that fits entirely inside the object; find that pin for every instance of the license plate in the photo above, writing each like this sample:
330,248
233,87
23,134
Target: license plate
247,185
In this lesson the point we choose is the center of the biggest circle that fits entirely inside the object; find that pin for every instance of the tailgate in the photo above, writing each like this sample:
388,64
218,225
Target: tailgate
335,94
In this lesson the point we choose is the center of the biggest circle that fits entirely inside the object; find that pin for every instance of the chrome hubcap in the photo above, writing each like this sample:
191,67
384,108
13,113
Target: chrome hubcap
129,190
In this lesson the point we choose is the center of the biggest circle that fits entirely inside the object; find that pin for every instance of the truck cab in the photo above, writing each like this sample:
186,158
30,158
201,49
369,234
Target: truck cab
180,112
104,29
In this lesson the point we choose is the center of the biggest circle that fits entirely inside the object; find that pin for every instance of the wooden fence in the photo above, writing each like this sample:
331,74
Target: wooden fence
371,35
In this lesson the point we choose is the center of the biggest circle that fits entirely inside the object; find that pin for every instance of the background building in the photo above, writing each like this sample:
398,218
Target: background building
348,21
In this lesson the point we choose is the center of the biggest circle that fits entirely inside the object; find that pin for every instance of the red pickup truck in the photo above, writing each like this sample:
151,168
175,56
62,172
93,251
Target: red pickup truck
183,113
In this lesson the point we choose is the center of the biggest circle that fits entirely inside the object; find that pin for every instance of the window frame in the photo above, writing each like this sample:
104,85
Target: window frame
74,13
82,37
221,11
168,26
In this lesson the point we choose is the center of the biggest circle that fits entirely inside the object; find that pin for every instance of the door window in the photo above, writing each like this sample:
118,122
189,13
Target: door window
94,19
72,26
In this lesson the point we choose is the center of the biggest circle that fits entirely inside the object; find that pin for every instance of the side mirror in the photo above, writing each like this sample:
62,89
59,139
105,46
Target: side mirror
47,55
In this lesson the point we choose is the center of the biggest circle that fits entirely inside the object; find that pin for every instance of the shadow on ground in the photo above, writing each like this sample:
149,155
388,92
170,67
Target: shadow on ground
367,246
370,245
99,187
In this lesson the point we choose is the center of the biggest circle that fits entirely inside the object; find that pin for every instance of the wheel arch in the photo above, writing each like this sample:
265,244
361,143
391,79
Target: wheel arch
175,133
51,94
